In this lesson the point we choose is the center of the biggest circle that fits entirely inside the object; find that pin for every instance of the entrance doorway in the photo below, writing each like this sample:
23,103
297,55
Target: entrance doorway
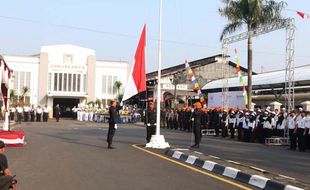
66,105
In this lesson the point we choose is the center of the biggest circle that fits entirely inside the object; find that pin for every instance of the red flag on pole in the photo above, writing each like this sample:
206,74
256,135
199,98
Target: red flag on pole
301,14
137,79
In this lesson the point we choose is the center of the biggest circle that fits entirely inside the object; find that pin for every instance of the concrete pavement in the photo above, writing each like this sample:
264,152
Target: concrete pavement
73,155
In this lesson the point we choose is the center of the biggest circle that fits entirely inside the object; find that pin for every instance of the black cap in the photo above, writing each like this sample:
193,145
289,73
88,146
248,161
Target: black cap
2,145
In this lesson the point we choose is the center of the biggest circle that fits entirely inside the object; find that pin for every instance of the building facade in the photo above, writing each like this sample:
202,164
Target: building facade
67,75
205,70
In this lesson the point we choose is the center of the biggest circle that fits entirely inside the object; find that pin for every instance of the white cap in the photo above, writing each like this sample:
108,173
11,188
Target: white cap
251,110
300,109
225,110
247,113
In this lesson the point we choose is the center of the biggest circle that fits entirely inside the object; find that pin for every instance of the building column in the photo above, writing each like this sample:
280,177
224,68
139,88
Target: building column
43,74
91,77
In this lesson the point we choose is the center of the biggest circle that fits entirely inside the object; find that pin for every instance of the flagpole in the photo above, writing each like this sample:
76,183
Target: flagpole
157,140
159,71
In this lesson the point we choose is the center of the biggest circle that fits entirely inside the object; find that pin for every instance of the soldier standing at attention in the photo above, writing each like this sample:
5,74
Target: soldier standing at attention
196,119
150,122
112,123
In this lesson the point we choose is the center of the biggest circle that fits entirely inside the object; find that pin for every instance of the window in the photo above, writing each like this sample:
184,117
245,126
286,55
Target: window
65,81
104,84
78,82
16,78
60,82
28,79
85,83
110,86
70,82
68,59
74,82
113,82
21,81
55,81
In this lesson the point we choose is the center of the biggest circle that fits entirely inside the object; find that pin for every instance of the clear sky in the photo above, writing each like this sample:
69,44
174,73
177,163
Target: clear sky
191,29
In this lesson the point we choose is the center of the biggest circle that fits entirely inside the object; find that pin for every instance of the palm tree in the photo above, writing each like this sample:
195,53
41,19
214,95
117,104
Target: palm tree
25,91
251,14
117,86
12,95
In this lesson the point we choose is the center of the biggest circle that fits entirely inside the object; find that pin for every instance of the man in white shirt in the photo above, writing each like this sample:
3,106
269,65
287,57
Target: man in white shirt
26,113
45,113
300,131
12,112
39,113
19,110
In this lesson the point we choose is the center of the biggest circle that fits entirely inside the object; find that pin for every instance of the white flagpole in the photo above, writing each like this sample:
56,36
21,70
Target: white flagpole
158,141
159,72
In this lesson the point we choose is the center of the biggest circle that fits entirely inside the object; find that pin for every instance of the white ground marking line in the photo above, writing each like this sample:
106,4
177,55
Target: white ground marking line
287,177
258,169
198,152
215,157
180,149
233,162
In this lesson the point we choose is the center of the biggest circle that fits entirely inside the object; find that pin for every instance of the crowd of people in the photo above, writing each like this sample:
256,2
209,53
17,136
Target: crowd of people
28,113
254,125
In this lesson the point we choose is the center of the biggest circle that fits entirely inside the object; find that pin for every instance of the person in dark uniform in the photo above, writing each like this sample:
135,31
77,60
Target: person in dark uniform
196,119
150,122
224,123
232,123
112,123
57,112
6,178
32,113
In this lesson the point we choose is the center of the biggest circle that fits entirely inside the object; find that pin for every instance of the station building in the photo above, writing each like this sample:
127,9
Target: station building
67,75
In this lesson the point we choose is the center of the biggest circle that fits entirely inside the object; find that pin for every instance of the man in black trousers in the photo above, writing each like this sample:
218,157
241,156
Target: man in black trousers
150,121
196,119
112,123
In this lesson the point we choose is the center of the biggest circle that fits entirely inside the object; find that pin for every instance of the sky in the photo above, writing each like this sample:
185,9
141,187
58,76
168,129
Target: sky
190,30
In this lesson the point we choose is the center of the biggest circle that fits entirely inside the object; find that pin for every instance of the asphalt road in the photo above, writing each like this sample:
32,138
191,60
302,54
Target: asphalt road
73,155
276,159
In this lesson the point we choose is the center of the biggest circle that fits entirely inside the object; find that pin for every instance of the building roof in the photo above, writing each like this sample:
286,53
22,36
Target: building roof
193,64
266,80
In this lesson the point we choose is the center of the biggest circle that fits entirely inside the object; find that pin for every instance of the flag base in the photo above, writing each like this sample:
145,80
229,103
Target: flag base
157,141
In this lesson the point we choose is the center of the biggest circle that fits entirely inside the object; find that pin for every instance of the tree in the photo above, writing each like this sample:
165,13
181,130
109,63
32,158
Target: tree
25,91
117,86
12,95
251,14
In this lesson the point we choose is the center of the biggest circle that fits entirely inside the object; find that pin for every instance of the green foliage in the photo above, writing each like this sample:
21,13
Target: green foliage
250,13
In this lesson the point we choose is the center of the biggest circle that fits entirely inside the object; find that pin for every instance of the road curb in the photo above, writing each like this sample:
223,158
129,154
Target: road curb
232,173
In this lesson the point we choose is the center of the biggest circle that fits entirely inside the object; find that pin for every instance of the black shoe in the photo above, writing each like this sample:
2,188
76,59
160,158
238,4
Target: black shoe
110,147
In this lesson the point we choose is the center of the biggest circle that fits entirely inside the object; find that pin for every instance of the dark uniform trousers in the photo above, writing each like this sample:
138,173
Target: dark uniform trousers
150,121
111,133
301,139
232,130
150,130
112,122
292,139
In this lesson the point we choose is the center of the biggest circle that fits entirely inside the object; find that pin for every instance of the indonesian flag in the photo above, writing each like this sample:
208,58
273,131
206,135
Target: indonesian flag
303,15
137,79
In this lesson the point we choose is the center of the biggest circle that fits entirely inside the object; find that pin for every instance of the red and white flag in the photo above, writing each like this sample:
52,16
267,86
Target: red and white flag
303,15
137,78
